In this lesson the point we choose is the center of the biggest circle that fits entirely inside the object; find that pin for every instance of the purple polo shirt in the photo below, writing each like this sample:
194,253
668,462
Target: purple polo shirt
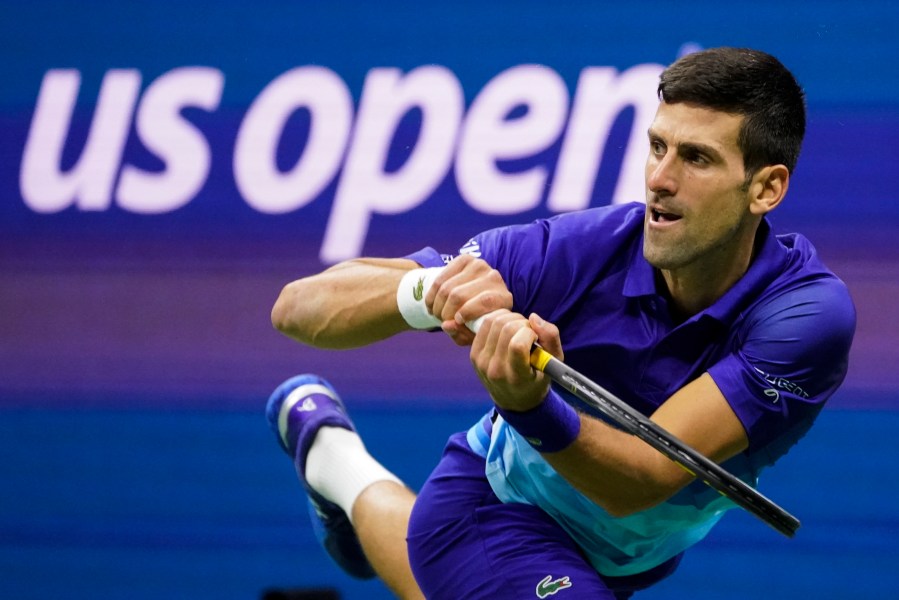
776,344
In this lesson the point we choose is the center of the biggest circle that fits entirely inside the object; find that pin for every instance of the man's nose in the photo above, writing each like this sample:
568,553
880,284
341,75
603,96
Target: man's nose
661,175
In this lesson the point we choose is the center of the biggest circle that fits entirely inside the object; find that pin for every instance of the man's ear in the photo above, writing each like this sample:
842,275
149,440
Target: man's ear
768,187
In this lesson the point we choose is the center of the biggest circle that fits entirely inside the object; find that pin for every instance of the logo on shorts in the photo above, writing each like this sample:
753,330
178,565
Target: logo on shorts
550,587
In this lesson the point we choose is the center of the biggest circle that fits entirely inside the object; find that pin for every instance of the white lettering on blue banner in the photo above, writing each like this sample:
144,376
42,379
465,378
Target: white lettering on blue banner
343,143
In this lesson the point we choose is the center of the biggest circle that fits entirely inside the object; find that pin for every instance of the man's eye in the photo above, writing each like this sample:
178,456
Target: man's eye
657,147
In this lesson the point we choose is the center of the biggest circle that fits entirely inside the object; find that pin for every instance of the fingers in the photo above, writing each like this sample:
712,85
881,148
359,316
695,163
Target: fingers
505,343
500,355
453,268
547,335
467,288
440,289
501,350
460,334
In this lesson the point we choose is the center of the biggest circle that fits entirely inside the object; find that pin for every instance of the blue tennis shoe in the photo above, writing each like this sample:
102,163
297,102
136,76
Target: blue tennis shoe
295,412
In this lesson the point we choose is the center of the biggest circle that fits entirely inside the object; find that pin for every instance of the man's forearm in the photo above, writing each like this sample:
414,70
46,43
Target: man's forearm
349,305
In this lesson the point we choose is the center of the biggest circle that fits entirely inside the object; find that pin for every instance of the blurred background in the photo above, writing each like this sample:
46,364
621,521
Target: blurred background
166,167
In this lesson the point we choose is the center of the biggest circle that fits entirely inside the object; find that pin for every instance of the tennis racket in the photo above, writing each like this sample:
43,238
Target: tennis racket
637,424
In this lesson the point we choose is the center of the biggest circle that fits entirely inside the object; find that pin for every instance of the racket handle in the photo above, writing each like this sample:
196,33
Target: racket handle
539,357
475,324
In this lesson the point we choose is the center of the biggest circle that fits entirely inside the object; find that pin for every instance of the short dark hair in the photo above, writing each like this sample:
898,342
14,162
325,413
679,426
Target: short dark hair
749,83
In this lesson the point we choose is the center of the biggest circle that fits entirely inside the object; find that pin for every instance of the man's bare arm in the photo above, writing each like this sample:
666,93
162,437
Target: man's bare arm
624,475
348,305
354,303
618,471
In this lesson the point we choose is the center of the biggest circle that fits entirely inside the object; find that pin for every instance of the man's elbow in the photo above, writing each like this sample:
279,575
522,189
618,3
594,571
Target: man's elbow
279,311
630,506
644,496
285,317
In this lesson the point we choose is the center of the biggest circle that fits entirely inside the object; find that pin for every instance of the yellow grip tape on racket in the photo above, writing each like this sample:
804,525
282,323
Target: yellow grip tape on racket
539,357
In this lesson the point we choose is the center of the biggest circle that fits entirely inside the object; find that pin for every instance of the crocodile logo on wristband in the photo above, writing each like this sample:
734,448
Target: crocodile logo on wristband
418,290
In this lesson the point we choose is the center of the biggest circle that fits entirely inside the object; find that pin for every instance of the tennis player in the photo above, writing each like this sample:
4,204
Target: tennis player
689,307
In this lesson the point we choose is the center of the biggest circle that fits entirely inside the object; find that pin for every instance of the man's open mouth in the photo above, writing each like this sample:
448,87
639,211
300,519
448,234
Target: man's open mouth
659,216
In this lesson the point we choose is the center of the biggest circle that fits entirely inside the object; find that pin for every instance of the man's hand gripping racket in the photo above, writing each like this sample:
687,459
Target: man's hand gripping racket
637,424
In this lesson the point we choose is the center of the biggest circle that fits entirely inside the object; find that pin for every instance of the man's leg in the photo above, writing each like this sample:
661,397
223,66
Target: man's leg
381,518
356,501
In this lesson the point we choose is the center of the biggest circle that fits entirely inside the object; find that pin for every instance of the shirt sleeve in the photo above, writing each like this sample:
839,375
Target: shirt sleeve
517,252
429,257
543,263
791,357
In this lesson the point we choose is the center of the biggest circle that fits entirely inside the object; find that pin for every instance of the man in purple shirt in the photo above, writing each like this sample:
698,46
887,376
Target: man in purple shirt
688,307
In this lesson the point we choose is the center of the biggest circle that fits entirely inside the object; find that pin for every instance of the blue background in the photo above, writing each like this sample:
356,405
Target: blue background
136,351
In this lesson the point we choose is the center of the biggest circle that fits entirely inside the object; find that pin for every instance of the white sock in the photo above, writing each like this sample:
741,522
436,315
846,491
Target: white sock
339,467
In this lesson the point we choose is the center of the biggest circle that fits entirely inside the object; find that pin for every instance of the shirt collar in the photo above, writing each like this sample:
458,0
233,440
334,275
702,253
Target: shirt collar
768,262
640,278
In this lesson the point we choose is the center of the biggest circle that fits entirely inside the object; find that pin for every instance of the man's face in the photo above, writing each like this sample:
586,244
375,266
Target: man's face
696,204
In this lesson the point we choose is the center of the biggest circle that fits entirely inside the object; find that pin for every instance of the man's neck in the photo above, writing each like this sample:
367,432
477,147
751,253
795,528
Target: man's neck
695,287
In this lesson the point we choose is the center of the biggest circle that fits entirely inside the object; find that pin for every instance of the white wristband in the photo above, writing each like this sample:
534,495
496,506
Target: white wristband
410,297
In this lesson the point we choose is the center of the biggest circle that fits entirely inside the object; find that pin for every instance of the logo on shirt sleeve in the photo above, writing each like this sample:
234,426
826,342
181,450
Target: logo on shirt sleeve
472,247
782,384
